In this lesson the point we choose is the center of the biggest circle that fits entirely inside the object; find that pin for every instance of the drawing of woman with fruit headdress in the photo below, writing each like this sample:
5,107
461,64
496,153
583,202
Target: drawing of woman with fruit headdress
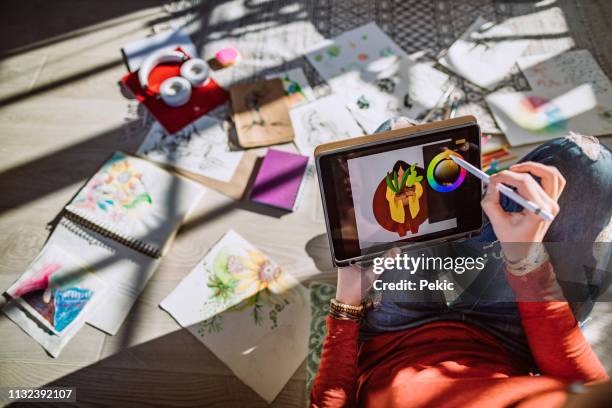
400,200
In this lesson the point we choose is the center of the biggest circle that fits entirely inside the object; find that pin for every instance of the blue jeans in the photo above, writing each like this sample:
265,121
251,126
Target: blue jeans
586,210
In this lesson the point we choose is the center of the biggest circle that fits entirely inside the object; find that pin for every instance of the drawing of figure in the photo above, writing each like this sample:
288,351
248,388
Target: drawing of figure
400,200
252,101
192,143
320,130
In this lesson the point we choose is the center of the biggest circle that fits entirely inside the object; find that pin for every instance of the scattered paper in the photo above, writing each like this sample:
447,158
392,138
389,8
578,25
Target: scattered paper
485,53
366,49
322,121
137,200
570,92
374,76
201,148
297,88
565,71
248,311
404,88
261,113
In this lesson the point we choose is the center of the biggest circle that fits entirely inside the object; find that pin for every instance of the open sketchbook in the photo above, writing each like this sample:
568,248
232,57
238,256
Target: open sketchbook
114,231
248,311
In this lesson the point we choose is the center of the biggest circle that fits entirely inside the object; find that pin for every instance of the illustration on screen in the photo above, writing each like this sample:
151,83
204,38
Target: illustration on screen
400,200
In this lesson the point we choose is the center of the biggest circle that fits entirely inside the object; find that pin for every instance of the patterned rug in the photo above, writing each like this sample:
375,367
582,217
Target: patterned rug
320,295
273,35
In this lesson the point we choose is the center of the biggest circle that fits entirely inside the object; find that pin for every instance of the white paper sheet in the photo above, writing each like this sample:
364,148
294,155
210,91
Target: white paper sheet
200,148
322,121
297,88
565,71
249,312
484,54
366,49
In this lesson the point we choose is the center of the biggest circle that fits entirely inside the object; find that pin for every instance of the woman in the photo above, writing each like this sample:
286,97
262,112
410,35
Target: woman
482,353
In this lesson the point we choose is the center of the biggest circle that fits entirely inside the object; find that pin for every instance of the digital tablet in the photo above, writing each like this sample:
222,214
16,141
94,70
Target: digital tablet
400,187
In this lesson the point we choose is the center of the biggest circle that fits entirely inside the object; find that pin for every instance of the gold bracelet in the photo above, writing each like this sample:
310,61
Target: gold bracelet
343,309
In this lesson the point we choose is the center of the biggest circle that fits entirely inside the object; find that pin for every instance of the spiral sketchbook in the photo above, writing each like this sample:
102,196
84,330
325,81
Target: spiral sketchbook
115,229
133,202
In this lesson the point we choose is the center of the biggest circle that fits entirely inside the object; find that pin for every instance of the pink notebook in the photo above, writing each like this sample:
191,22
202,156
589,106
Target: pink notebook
279,179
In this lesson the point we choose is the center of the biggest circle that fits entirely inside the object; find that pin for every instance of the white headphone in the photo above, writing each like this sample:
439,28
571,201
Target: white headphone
175,91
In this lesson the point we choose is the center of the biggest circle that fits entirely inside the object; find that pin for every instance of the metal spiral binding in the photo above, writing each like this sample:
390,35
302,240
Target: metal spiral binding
134,244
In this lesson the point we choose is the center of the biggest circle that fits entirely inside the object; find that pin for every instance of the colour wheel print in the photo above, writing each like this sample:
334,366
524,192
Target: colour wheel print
540,114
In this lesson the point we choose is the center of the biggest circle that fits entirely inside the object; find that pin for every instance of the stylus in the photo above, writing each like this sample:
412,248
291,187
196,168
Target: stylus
505,190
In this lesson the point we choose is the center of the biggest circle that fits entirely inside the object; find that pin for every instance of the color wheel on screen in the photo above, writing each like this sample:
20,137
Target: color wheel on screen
442,167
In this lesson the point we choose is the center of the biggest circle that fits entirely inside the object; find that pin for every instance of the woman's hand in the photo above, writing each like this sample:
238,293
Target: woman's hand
350,285
354,281
348,289
524,226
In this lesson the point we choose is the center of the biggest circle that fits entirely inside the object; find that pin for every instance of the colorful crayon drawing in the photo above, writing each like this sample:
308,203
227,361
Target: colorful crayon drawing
56,289
296,86
116,190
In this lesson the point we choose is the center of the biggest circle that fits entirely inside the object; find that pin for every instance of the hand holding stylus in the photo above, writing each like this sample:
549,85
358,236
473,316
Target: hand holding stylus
524,226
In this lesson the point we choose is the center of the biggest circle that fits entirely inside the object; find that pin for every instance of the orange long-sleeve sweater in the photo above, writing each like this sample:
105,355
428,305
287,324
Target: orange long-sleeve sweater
451,364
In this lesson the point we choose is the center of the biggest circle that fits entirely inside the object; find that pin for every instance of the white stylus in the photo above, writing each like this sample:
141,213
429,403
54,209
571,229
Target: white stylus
505,190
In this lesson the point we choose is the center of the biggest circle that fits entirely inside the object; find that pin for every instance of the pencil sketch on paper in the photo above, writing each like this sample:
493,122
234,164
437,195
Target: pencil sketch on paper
201,148
322,121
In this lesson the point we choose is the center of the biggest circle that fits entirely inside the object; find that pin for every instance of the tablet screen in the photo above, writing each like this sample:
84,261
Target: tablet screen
403,190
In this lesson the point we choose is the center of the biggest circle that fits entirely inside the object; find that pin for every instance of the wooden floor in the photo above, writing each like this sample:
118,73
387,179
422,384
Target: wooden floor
61,114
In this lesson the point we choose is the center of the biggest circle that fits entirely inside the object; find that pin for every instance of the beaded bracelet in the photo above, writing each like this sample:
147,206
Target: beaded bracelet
536,257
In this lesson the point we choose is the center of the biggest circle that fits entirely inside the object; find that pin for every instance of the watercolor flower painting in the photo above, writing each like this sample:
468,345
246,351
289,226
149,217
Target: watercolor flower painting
245,280
116,190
